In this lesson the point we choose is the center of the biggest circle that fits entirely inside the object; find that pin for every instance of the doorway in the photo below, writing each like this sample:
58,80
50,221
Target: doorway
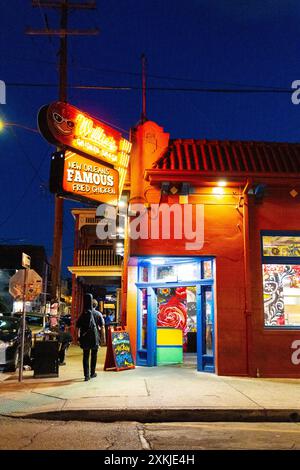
176,317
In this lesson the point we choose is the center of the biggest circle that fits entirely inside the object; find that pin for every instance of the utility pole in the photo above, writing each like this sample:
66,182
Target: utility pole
144,85
64,6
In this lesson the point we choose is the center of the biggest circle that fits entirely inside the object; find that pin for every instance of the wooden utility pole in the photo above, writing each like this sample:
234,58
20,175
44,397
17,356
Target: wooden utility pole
64,6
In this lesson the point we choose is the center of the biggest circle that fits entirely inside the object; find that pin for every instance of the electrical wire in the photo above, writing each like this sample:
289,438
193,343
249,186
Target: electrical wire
45,20
20,145
21,199
170,89
149,76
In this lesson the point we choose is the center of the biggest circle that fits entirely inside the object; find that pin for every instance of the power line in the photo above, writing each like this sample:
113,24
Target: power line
20,145
45,20
151,76
168,89
21,199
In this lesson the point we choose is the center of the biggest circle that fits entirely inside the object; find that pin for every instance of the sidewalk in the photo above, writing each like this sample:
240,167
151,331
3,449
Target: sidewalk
173,393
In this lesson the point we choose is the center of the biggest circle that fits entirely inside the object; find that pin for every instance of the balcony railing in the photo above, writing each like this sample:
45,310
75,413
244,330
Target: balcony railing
98,258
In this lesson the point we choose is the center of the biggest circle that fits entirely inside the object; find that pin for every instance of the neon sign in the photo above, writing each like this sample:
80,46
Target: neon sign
80,178
64,125
93,138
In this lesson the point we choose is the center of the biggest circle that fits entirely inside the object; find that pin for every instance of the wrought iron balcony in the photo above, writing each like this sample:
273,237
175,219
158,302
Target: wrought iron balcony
98,258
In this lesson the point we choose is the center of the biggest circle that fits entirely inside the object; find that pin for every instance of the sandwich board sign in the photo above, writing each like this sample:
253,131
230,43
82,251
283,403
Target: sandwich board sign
118,353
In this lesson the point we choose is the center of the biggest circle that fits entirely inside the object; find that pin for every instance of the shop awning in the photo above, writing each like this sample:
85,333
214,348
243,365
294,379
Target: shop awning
96,271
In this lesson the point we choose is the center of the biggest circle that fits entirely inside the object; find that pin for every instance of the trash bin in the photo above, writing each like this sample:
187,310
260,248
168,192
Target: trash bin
45,359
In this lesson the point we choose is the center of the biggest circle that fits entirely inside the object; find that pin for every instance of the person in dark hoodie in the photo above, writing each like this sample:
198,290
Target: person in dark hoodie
90,324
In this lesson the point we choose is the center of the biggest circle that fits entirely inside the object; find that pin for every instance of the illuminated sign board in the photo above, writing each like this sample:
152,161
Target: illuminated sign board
82,179
64,125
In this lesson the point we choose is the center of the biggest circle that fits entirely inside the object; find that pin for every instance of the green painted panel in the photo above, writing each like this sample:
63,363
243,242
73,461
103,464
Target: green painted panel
169,356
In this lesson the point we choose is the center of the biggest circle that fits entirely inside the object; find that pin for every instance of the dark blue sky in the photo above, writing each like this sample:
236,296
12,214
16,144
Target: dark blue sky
206,43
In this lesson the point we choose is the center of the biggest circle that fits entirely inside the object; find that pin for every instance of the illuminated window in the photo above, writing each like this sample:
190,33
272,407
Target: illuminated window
207,269
177,272
172,269
281,280
281,246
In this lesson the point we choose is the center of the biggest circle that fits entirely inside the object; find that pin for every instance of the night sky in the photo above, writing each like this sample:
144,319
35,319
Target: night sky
189,44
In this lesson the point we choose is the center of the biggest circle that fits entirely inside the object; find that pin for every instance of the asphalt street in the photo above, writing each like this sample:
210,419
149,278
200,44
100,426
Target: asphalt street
24,434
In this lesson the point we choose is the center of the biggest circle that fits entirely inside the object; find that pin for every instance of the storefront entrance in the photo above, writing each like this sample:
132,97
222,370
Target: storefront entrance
175,312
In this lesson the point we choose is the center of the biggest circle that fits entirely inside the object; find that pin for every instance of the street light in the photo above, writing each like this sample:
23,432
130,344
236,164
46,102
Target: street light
4,124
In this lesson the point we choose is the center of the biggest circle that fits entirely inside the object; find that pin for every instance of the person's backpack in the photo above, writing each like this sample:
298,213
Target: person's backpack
89,338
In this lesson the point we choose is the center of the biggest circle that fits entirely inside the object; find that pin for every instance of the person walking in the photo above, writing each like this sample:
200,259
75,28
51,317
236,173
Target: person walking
102,331
90,324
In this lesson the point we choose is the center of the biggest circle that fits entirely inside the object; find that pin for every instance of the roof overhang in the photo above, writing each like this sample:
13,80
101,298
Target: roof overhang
205,178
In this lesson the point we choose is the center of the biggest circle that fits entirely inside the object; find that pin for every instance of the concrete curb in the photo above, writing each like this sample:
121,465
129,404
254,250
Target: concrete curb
166,415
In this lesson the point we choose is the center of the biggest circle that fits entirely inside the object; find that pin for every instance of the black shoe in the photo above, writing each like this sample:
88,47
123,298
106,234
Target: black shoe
62,363
93,375
86,379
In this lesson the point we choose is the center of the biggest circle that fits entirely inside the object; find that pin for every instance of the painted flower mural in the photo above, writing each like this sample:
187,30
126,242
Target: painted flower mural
172,314
276,278
172,309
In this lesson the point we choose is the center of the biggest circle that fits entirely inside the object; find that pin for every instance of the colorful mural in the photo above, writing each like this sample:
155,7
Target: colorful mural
276,278
281,246
177,309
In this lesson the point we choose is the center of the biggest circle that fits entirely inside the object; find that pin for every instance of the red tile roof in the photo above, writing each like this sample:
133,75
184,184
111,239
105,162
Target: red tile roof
230,157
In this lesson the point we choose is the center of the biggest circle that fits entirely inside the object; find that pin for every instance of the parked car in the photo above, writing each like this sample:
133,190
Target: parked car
10,343
36,320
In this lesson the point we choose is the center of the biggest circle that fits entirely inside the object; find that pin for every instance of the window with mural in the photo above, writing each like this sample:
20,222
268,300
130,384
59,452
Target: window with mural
281,280
286,246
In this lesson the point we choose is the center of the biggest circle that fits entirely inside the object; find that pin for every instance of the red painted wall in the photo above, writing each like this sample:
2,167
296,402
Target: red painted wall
222,239
270,353
272,349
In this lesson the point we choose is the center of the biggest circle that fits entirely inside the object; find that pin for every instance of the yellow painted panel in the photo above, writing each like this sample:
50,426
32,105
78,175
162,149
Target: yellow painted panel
169,336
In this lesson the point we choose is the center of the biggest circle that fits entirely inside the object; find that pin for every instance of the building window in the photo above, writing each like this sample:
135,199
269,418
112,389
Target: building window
281,280
287,246
177,273
155,269
207,269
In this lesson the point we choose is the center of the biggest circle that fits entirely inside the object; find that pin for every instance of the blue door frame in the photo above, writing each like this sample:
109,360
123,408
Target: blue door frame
147,357
205,362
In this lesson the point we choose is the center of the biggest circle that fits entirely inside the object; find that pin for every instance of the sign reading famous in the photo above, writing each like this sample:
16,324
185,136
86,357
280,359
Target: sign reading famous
63,124
80,178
